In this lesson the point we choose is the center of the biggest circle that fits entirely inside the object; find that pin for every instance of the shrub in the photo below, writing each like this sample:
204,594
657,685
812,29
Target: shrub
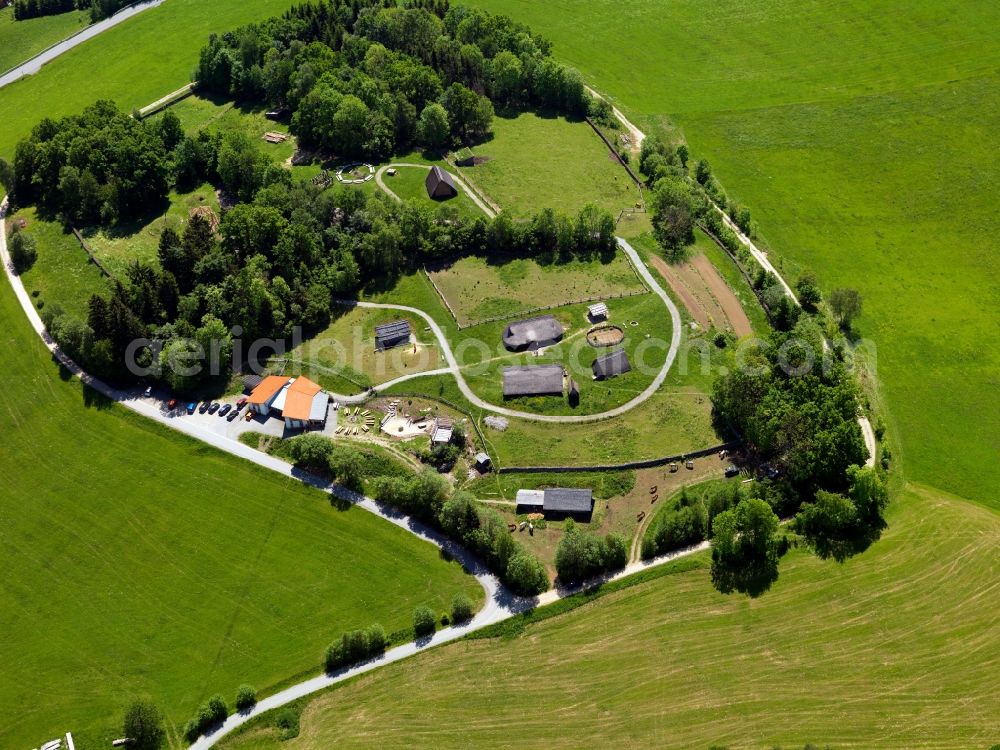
23,250
424,621
211,713
525,575
246,698
287,722
376,639
615,552
144,724
461,608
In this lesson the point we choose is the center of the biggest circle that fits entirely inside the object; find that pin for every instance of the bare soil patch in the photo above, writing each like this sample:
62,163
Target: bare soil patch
725,296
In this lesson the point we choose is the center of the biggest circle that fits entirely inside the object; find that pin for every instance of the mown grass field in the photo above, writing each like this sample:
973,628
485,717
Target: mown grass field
20,40
863,135
141,563
893,649
539,162
133,64
478,288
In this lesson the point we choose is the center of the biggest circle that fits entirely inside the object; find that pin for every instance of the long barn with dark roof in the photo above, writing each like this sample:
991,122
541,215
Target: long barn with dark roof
533,380
392,334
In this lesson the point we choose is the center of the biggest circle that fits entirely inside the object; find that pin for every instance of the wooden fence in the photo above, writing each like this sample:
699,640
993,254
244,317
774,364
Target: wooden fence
647,464
90,253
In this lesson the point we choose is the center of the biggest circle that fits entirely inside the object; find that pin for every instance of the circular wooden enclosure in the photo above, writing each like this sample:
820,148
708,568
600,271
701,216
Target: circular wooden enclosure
607,335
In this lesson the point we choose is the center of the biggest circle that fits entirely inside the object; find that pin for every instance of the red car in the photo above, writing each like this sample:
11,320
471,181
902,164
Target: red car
172,404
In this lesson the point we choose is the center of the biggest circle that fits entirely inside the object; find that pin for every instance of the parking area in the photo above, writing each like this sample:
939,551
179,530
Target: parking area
220,425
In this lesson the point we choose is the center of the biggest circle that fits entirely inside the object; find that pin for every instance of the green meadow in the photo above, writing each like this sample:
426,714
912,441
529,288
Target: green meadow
133,64
138,562
863,135
535,161
892,649
21,40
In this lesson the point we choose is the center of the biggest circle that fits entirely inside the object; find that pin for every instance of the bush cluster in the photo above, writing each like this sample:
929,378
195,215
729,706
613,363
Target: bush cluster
355,646
582,554
211,713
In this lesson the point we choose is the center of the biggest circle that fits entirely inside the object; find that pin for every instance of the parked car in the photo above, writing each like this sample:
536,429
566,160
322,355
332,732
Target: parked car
731,471
249,415
225,410
241,403
214,407
232,415
203,408
148,392
172,404
191,407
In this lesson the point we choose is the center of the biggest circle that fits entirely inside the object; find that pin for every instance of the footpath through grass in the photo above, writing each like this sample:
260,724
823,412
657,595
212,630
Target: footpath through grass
672,663
133,64
21,40
864,137
137,562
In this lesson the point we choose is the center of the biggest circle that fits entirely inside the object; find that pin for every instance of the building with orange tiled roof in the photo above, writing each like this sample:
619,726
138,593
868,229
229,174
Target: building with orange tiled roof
263,396
299,401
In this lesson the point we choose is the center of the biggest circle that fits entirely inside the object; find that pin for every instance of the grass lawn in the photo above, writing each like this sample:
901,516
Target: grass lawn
479,288
347,348
63,274
536,162
140,562
408,184
673,663
863,135
139,61
21,40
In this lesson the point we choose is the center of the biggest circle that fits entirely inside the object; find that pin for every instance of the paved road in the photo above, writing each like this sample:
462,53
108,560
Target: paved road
500,604
458,181
35,64
463,386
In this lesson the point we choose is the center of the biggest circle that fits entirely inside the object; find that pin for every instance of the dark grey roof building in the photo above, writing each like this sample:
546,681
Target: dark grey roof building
532,333
439,184
557,502
392,334
533,380
609,365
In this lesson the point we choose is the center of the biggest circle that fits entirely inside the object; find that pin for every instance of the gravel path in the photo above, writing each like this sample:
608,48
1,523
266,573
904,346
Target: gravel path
34,64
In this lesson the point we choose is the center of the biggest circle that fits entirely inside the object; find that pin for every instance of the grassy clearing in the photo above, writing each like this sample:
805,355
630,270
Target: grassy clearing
138,240
139,61
408,184
139,562
224,116
549,162
673,663
20,40
63,274
478,288
867,150
347,347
